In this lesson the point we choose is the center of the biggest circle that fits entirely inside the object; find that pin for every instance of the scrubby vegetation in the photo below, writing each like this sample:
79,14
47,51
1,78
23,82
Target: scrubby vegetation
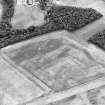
5,27
17,35
72,18
57,18
8,9
98,39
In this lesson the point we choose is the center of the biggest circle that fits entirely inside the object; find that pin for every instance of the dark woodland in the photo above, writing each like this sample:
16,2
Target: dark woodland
57,18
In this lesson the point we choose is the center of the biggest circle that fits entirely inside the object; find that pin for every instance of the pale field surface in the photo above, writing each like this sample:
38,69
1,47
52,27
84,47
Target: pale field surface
55,59
74,100
0,11
15,88
79,99
91,97
95,96
25,16
59,62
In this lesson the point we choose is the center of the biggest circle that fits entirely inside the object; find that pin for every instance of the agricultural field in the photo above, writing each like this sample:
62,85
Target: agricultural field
52,53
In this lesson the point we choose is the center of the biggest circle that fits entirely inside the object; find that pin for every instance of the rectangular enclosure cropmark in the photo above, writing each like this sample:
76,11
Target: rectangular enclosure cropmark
57,62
